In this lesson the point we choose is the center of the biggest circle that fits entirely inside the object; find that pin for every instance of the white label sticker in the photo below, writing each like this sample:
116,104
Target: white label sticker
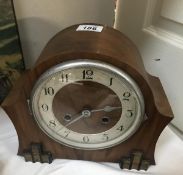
90,28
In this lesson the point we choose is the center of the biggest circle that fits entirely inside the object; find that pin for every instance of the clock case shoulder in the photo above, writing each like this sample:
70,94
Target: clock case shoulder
109,46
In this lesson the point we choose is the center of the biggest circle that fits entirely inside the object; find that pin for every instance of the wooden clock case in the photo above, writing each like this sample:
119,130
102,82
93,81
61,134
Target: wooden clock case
109,46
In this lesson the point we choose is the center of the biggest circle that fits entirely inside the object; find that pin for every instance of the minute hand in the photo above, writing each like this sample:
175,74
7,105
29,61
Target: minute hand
106,109
75,120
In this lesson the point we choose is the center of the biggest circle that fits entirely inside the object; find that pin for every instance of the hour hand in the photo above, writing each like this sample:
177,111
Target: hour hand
107,109
83,114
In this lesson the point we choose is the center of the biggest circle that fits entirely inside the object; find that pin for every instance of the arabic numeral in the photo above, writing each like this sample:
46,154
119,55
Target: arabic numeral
88,74
52,123
86,139
49,91
90,28
64,78
44,107
94,28
120,128
129,113
126,96
111,81
67,132
105,137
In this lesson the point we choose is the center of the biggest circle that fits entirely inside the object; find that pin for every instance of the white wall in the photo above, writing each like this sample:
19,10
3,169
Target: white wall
158,38
39,20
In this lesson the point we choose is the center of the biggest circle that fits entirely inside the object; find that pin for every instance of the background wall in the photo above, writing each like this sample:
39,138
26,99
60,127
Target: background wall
156,27
40,20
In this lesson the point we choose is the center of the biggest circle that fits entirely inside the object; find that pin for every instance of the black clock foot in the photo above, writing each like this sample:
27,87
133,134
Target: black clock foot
134,161
36,154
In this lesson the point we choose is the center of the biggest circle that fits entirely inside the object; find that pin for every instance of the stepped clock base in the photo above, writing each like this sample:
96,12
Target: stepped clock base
37,154
135,161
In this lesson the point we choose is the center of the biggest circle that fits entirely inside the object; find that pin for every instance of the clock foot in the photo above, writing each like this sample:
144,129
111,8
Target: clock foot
135,161
36,154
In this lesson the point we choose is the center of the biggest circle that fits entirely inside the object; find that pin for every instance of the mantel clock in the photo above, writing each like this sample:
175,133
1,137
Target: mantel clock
89,97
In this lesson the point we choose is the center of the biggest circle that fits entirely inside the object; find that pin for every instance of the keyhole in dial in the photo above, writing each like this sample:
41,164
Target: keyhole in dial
67,117
105,120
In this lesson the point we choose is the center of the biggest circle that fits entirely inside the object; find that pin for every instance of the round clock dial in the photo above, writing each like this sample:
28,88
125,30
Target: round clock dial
87,104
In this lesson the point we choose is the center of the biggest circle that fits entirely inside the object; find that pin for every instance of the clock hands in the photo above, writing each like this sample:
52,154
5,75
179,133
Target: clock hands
84,113
106,109
87,113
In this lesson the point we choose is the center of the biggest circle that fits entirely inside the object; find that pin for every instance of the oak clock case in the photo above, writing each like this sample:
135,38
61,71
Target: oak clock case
88,97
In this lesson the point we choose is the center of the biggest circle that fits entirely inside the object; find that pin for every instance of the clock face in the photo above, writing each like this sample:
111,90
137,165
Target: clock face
87,104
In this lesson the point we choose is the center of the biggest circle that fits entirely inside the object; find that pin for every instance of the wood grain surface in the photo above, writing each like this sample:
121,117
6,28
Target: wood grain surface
109,46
